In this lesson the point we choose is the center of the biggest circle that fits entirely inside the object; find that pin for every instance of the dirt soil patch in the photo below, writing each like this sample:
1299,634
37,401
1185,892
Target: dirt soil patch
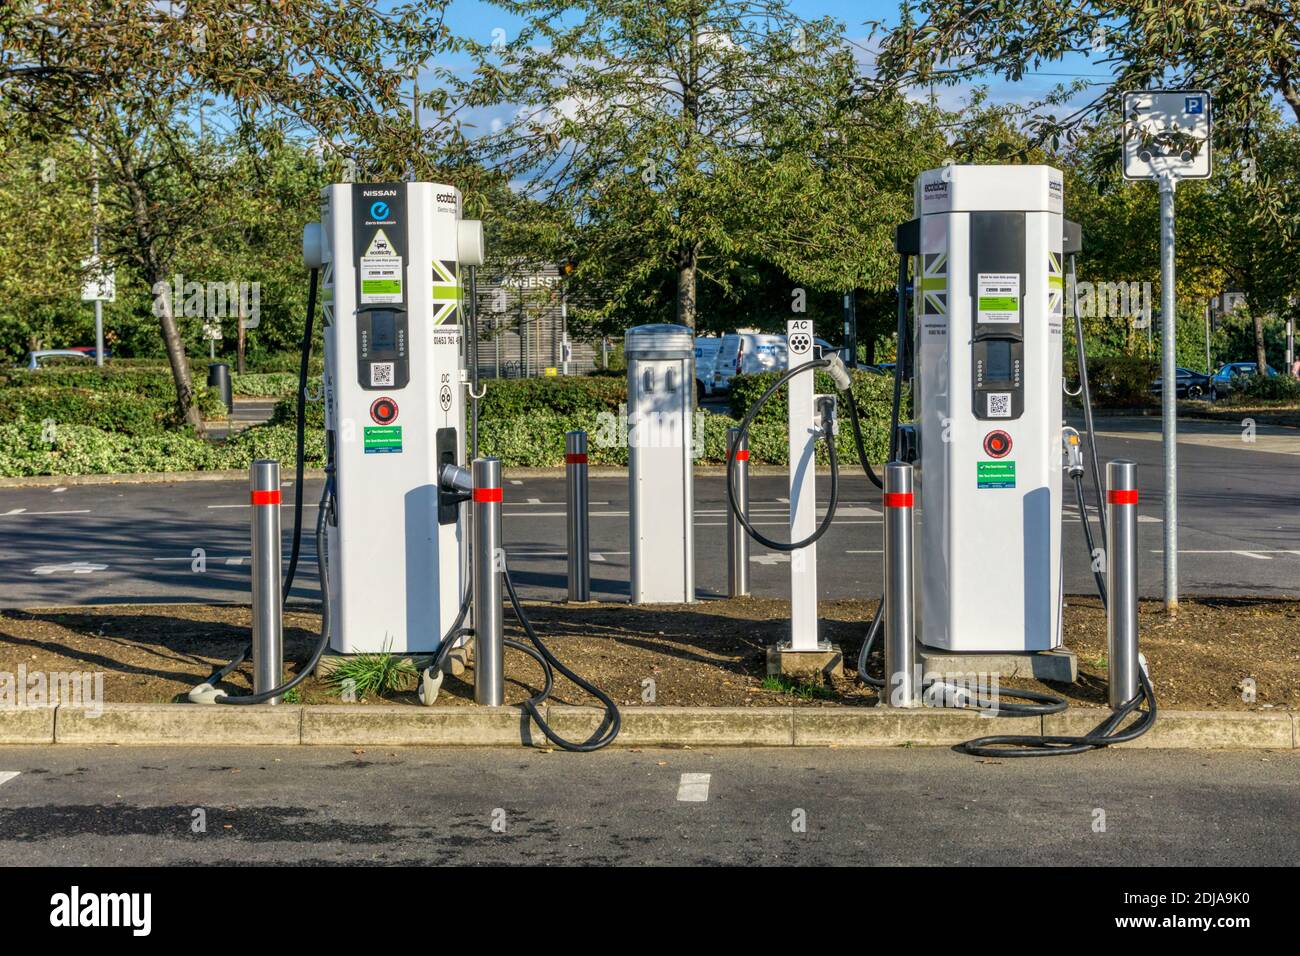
710,653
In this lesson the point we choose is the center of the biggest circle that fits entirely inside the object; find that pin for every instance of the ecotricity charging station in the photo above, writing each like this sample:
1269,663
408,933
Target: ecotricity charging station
981,467
392,256
989,309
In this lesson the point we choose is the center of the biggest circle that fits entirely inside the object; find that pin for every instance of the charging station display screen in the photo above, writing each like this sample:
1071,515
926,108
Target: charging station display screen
383,331
997,361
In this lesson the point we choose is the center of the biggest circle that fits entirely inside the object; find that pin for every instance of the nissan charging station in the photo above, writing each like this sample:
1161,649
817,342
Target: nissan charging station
392,256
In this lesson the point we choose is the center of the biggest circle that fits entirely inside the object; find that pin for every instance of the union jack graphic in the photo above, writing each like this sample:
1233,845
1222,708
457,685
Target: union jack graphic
446,290
934,284
327,293
1055,285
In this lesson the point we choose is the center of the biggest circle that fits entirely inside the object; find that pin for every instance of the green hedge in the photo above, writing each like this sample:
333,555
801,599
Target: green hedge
110,411
125,383
522,422
1116,381
768,440
271,384
1248,389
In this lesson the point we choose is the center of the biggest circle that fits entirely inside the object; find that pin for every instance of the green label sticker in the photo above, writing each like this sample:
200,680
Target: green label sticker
998,303
381,286
382,439
995,474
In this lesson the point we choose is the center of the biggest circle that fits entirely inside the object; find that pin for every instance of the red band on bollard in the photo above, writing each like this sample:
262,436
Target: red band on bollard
487,494
265,497
898,499
1122,497
579,459
742,455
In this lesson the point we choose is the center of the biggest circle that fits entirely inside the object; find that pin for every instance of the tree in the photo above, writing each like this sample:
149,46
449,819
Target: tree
125,73
1236,49
643,122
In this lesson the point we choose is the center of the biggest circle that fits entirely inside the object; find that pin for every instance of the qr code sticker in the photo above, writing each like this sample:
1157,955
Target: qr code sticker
381,373
999,405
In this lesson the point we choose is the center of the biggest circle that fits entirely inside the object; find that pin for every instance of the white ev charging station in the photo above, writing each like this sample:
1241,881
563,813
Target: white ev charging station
391,257
977,478
988,311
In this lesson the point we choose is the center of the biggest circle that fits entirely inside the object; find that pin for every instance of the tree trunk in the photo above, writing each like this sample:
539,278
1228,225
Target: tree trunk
155,273
686,275
1261,356
175,351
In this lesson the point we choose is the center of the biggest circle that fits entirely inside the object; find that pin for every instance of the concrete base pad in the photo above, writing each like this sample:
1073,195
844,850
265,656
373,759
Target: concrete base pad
1060,665
826,661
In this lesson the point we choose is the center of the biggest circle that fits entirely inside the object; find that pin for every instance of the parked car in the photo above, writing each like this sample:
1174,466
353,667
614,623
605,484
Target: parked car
706,357
1187,384
44,357
1223,382
90,350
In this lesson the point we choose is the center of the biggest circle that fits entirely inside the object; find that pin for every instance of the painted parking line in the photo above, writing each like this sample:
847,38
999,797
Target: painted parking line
7,775
1259,554
694,787
15,512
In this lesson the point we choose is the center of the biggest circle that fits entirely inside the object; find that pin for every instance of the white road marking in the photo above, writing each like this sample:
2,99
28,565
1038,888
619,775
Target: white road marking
59,490
1259,554
234,562
694,788
534,501
286,504
76,567
515,481
770,557
14,511
876,551
7,775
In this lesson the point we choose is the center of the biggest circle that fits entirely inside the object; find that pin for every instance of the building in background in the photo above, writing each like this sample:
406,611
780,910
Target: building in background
523,323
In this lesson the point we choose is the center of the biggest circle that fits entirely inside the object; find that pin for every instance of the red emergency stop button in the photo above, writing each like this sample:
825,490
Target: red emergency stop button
383,410
997,444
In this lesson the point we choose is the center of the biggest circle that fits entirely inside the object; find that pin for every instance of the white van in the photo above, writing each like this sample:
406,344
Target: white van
748,353
706,356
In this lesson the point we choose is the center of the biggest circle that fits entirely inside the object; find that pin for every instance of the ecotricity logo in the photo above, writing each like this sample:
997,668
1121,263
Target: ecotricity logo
75,909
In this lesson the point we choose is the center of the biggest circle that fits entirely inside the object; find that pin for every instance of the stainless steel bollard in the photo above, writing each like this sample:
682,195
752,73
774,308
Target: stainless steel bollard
900,688
737,537
268,606
578,499
489,675
1121,582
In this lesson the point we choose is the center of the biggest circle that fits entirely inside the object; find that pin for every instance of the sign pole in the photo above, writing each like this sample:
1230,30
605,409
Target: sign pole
94,243
1169,391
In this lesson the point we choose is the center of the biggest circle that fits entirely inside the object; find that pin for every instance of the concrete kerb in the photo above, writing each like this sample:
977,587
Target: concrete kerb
399,725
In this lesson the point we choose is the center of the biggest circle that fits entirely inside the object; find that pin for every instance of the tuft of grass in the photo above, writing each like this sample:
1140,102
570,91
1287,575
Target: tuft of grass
292,696
803,689
374,673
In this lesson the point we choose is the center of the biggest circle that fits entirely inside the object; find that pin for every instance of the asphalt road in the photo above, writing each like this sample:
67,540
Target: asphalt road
306,805
95,544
